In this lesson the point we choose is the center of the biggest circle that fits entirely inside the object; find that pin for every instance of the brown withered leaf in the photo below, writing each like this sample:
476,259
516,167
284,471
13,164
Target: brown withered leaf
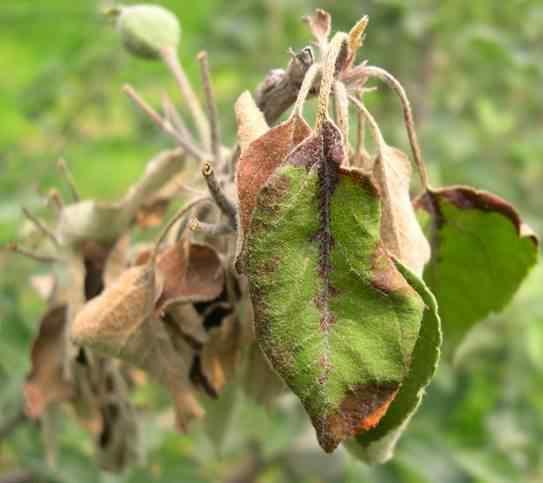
250,120
220,355
169,360
191,272
400,230
187,323
120,323
356,37
320,24
46,383
118,437
258,162
107,322
151,214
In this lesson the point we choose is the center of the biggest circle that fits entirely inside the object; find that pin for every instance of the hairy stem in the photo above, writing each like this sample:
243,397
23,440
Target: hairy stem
183,211
170,58
211,109
167,127
225,205
328,75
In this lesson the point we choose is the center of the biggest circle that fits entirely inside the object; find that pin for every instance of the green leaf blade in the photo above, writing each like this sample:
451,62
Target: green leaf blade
377,445
333,314
481,254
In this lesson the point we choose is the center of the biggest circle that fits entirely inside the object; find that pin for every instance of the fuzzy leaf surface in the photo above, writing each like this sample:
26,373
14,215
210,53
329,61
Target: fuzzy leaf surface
377,445
334,315
481,252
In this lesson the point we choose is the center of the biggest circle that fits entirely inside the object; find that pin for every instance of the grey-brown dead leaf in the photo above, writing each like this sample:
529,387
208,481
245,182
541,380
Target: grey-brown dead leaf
187,324
220,355
46,383
400,230
106,322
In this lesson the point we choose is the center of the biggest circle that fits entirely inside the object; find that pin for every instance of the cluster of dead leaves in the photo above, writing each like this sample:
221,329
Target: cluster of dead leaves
118,310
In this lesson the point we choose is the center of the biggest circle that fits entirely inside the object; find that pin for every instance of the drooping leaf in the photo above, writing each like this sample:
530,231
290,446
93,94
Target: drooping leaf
221,353
118,440
481,252
46,382
123,322
107,322
377,445
333,314
400,230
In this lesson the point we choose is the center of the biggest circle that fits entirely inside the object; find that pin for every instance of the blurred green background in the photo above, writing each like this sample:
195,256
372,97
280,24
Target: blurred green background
474,72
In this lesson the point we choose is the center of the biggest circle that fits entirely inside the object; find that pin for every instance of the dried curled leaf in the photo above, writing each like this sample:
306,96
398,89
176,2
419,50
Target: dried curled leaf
484,234
118,440
107,322
400,229
249,119
191,272
188,323
123,321
320,24
262,157
46,383
334,315
220,355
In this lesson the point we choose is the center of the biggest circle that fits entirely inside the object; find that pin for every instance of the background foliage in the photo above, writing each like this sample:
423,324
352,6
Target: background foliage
474,71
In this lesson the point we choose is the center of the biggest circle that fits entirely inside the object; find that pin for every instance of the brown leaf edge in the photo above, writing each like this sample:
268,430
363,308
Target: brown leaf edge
467,197
45,384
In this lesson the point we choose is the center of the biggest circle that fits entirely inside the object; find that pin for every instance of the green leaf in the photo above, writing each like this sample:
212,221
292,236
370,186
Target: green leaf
334,315
377,445
481,252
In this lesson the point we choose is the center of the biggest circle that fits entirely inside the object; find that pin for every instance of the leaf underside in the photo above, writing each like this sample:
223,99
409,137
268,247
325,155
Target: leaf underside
333,314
